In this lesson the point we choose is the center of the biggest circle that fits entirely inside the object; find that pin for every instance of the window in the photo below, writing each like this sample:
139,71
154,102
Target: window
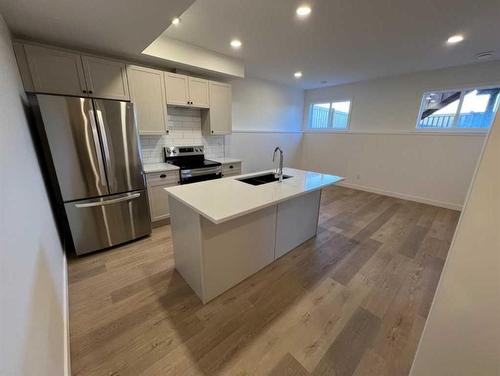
329,116
459,109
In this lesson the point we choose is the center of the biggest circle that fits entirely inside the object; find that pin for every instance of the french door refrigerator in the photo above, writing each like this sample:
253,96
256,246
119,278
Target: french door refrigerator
91,150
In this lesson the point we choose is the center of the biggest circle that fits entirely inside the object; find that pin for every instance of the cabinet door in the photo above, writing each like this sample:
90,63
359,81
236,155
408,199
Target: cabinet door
55,72
220,116
198,92
106,78
158,202
177,89
147,91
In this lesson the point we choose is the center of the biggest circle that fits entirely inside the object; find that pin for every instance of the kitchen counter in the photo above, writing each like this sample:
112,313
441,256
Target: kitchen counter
159,167
225,199
225,230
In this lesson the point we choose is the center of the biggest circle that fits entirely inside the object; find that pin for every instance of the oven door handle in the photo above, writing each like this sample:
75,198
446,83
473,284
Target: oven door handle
202,171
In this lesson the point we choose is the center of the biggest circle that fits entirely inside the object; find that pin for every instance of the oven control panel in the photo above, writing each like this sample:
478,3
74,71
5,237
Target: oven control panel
179,151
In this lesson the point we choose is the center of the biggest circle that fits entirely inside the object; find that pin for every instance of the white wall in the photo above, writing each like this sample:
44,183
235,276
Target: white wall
265,115
462,333
383,152
256,149
32,263
266,106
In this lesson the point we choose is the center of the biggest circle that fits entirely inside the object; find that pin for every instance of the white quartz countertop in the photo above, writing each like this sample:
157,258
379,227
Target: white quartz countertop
220,200
226,160
159,167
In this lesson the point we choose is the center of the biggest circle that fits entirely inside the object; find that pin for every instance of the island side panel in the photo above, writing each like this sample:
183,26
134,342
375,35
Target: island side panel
297,221
236,249
186,239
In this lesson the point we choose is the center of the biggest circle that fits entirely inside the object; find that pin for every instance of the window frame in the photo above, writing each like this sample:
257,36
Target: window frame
328,130
454,129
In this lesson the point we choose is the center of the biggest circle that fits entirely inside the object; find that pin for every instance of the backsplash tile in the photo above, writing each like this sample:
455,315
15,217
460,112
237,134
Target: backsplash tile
184,129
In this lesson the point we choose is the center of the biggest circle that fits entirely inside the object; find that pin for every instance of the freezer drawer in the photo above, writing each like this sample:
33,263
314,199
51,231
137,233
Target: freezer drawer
103,222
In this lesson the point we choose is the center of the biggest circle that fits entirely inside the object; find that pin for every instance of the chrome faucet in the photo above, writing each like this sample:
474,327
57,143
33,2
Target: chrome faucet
278,172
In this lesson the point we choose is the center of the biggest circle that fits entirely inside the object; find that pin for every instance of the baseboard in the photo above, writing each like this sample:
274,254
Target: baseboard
161,222
404,196
67,352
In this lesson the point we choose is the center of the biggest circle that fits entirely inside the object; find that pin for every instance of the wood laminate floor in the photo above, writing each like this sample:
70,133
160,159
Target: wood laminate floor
351,301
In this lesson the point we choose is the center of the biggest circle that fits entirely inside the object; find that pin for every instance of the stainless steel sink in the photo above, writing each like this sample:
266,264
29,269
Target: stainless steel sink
262,179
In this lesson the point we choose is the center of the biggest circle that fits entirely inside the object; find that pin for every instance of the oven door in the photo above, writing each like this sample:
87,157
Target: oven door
200,174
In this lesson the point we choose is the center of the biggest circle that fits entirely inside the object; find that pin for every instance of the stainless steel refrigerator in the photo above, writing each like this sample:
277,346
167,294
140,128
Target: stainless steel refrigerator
92,155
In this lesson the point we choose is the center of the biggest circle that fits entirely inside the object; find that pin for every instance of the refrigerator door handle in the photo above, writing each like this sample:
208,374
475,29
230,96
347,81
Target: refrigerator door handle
97,146
107,155
109,202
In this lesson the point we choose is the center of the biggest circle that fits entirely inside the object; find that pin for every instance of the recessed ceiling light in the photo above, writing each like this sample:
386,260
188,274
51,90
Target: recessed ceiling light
455,39
176,21
236,43
298,74
303,10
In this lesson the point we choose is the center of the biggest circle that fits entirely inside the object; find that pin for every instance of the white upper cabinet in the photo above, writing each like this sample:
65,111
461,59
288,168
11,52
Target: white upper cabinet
106,78
177,89
147,91
186,91
198,92
55,72
218,120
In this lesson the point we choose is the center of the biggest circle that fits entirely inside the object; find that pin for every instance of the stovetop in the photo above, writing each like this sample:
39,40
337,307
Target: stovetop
188,157
189,163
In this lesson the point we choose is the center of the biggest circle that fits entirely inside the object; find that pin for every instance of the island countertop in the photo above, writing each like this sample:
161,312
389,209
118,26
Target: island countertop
220,200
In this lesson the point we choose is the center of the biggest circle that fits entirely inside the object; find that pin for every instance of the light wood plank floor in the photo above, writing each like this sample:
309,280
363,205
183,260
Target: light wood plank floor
351,301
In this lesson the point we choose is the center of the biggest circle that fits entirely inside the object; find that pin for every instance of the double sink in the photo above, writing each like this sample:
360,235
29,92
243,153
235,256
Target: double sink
262,179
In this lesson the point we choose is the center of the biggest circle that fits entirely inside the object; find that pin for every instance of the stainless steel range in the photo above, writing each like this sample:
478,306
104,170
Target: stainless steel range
193,167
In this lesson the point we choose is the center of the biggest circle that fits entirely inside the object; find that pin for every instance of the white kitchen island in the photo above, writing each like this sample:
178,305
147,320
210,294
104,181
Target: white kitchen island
225,230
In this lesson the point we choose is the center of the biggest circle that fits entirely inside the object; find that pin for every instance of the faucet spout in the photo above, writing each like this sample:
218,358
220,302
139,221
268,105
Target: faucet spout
278,172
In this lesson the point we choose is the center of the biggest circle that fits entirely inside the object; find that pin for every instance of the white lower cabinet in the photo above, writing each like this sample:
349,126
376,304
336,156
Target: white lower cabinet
158,197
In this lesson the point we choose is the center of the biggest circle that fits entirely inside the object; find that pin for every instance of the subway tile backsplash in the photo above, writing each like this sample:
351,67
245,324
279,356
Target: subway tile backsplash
185,129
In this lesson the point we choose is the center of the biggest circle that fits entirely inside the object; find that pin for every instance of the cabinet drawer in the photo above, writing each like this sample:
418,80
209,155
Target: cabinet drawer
163,178
231,169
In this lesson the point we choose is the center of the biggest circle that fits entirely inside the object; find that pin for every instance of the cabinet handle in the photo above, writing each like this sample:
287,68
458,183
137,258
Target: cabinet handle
231,166
163,176
85,91
90,91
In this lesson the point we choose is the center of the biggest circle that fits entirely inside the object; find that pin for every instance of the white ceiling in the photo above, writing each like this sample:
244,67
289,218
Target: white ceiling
343,40
120,27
